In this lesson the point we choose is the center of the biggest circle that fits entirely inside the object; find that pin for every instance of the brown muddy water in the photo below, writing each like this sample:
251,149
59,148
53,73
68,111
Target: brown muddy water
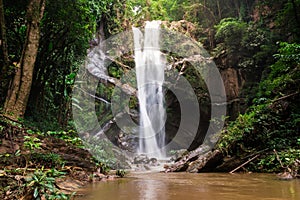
186,186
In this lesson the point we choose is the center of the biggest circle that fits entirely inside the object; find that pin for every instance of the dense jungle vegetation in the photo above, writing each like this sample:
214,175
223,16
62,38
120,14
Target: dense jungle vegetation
44,42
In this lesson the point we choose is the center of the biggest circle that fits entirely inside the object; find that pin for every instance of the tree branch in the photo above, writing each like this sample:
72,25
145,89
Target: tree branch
285,97
125,67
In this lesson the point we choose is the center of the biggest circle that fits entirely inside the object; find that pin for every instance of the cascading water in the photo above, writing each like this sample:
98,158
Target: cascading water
150,64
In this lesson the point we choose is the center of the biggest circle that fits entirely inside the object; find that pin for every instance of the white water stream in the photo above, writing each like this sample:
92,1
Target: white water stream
150,64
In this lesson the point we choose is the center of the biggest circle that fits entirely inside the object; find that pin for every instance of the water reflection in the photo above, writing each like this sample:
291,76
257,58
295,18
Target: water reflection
150,189
181,186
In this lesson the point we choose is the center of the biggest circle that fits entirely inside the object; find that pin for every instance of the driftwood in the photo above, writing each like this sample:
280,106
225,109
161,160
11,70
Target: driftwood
242,165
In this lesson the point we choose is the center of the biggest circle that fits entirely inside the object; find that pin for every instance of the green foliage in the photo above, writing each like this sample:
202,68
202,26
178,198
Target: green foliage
289,157
115,71
32,142
287,19
48,160
16,27
121,173
148,10
288,58
17,153
285,73
204,13
230,31
70,137
67,28
273,121
233,135
245,45
268,163
7,157
103,152
42,184
283,16
1,128
271,163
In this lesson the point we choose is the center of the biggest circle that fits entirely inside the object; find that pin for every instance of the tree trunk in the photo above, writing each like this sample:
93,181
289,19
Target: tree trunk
237,7
3,43
219,10
296,14
17,97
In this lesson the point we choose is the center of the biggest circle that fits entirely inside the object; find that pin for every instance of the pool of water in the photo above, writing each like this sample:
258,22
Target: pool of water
186,186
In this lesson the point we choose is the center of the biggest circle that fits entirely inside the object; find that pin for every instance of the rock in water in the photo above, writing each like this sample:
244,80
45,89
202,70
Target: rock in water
285,176
141,159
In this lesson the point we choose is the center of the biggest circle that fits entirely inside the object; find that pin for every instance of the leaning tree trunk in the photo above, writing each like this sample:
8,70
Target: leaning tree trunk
18,93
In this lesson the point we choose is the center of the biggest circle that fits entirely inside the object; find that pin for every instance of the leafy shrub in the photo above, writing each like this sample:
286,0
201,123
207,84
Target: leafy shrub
287,159
32,142
230,31
68,136
42,185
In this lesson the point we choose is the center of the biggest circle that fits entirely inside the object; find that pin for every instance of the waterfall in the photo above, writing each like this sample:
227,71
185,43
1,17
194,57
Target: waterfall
150,64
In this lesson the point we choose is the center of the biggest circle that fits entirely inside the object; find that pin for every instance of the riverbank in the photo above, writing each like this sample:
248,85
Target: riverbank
198,161
34,164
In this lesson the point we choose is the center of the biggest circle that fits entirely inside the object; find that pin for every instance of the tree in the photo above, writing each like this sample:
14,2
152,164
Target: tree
3,36
67,32
19,90
3,43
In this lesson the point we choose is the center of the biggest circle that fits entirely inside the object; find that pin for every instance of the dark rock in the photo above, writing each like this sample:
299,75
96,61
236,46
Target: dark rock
179,154
128,142
228,164
153,162
205,162
196,161
141,159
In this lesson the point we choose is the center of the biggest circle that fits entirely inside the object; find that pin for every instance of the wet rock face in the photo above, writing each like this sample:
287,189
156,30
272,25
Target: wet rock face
125,141
233,83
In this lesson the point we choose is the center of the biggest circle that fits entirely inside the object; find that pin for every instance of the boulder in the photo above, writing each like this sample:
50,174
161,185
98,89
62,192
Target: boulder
196,161
141,159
